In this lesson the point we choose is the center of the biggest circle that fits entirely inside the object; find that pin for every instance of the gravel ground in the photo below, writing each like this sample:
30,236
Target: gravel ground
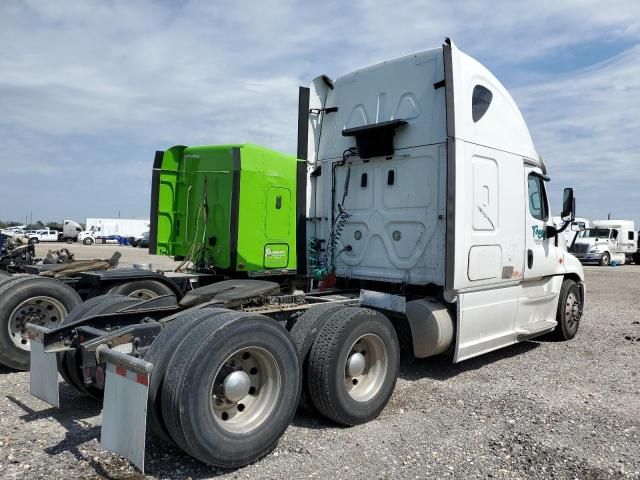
539,409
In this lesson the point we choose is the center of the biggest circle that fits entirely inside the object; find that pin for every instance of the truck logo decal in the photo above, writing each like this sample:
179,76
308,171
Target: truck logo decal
538,233
269,253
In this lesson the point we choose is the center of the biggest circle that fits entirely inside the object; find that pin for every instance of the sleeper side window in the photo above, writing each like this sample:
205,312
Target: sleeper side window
537,198
480,101
630,235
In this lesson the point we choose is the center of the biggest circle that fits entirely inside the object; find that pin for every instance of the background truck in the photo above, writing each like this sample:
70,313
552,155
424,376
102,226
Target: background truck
42,235
571,232
420,214
606,241
100,229
70,231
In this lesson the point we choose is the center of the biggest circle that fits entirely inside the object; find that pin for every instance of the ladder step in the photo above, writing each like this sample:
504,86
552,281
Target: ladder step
535,329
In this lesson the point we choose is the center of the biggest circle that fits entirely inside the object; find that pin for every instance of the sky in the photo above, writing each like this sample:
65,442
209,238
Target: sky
89,90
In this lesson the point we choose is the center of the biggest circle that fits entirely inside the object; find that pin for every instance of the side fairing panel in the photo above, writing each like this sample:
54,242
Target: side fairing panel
486,203
165,197
489,225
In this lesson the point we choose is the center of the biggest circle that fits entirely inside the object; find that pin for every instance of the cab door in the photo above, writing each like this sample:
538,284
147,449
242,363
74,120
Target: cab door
541,258
540,286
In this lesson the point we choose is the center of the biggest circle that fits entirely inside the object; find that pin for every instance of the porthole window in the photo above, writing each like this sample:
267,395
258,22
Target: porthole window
480,102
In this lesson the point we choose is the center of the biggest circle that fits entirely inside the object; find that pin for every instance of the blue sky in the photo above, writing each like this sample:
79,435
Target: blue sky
90,89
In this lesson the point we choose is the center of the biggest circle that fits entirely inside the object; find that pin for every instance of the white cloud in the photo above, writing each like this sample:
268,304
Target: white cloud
586,126
91,88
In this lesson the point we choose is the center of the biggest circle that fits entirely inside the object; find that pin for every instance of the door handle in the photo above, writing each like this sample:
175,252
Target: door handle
530,259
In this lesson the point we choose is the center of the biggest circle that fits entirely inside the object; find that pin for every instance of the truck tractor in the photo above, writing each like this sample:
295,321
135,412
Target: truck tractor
414,220
606,241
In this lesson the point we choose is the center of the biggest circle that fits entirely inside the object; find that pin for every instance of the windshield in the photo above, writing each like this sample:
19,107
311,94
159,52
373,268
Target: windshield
595,233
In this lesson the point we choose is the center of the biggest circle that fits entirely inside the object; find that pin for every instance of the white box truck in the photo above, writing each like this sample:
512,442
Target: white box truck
424,216
102,230
606,241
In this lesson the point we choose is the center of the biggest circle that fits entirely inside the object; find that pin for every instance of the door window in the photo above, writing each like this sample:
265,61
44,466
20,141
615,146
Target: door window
537,198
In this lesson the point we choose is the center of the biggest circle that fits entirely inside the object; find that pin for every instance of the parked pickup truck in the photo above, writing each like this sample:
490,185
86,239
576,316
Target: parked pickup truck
44,235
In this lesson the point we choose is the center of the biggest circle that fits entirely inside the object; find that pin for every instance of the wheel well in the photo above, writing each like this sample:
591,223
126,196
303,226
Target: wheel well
403,331
574,277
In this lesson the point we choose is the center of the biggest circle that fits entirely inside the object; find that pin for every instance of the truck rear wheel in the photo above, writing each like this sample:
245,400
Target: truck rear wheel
353,365
70,363
30,299
304,333
160,353
142,289
231,389
569,311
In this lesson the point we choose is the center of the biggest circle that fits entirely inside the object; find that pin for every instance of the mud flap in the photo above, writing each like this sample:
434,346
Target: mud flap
44,369
124,413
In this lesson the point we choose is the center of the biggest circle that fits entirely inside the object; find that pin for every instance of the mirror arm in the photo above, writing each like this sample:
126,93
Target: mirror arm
564,226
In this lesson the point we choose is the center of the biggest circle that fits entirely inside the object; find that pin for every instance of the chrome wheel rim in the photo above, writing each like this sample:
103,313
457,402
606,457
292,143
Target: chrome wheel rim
44,311
366,367
245,390
572,311
143,294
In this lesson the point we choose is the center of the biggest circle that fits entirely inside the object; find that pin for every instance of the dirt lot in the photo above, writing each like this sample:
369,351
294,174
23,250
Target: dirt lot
536,410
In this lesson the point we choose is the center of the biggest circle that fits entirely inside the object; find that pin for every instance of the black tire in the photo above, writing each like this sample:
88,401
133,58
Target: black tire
303,334
20,289
328,360
605,260
636,258
568,315
33,241
160,353
187,395
69,240
73,362
142,289
88,241
12,276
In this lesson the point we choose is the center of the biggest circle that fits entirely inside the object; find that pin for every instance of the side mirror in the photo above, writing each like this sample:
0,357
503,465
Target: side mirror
568,206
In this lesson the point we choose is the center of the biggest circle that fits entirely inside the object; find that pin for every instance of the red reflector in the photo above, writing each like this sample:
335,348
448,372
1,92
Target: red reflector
142,379
121,371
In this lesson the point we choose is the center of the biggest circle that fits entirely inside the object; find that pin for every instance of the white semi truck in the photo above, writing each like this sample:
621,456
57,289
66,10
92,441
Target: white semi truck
427,218
606,241
571,233
100,229
70,231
